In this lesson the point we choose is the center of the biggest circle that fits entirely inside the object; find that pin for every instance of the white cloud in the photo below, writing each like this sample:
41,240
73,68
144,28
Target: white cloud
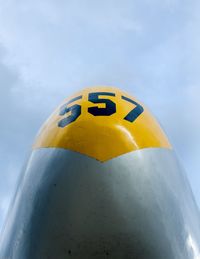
50,49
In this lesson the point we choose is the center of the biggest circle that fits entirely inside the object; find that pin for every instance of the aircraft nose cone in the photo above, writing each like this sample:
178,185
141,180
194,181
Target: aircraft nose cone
84,194
103,123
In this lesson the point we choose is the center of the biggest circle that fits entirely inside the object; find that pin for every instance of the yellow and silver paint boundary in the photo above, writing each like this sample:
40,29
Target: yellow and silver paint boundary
103,123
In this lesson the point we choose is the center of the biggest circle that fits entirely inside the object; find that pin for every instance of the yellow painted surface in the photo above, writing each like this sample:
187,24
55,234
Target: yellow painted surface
102,137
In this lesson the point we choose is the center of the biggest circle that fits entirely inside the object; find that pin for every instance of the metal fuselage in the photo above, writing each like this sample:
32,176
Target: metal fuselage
69,205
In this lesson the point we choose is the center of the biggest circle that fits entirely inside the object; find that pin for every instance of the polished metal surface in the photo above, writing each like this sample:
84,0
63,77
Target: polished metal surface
138,205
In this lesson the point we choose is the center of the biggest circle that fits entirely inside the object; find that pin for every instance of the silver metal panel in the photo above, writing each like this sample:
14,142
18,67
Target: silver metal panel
68,205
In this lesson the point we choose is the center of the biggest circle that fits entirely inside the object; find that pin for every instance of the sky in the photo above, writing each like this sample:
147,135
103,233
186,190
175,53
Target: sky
51,49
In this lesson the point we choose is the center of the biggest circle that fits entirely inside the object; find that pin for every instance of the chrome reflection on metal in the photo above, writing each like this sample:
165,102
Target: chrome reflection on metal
138,205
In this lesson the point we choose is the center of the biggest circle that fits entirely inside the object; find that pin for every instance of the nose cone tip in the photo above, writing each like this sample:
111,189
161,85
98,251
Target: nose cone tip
103,123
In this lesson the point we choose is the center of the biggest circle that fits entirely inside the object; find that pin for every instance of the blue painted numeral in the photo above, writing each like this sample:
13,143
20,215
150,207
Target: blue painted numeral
133,114
110,106
75,112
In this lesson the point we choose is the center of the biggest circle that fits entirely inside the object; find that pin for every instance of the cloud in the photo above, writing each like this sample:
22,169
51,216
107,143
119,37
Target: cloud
51,49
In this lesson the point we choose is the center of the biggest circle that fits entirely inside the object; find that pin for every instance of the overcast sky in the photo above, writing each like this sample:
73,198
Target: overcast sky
49,49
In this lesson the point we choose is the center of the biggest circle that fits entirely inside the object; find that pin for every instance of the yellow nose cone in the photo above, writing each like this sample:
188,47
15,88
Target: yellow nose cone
103,123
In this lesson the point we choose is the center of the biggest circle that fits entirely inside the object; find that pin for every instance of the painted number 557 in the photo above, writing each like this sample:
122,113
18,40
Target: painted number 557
97,98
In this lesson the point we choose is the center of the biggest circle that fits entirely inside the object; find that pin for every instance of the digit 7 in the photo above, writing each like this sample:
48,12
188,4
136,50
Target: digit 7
133,114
